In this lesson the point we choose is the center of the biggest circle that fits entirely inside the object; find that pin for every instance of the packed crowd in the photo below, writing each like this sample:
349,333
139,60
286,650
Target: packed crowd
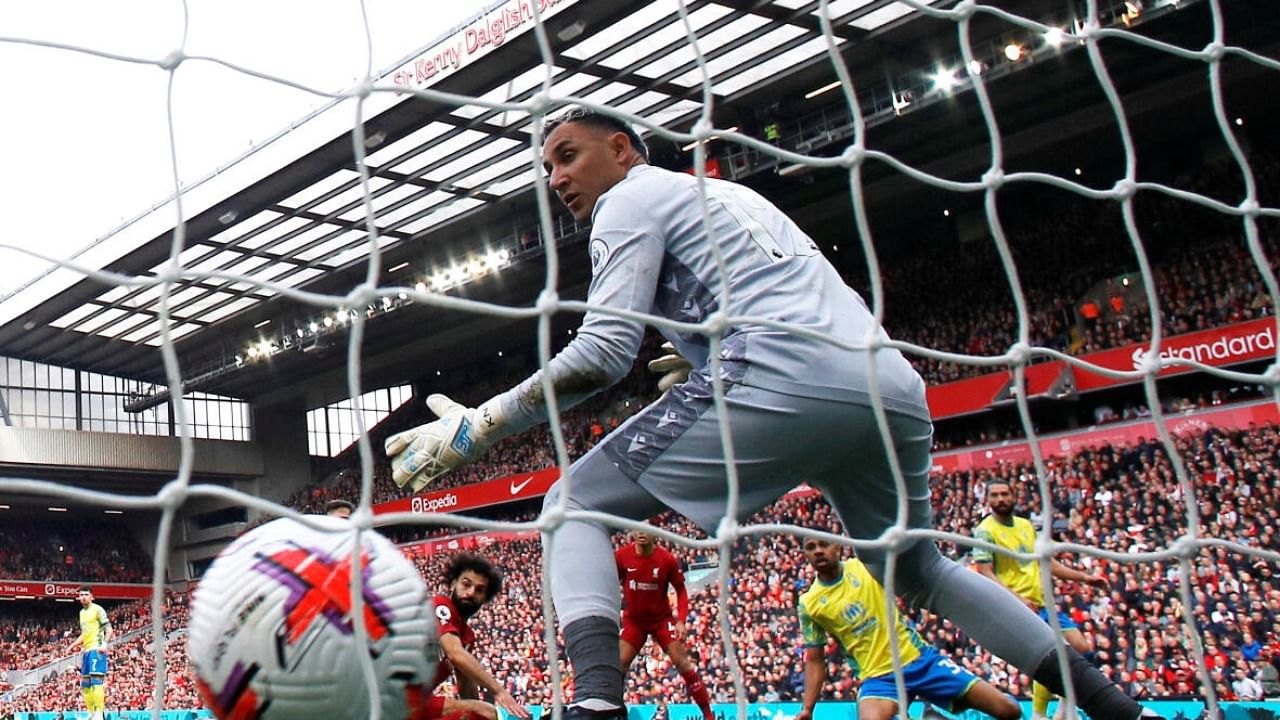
34,635
583,426
1204,277
44,550
1123,499
1126,499
49,633
957,302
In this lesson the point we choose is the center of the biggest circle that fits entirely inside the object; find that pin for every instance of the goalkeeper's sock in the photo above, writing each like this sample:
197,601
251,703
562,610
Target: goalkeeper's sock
592,645
1095,694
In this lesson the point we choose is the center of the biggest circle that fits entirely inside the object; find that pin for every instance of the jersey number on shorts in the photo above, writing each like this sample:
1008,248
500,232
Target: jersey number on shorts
949,665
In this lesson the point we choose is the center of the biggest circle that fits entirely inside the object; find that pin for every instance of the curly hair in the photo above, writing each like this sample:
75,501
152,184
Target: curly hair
463,562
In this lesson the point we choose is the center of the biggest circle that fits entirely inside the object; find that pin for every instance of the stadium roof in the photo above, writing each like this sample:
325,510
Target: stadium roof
448,183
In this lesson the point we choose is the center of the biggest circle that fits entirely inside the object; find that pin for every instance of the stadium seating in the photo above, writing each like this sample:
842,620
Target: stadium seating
1126,499
45,550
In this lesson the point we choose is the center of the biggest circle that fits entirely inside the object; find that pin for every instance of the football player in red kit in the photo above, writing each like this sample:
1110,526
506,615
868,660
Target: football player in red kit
646,571
472,582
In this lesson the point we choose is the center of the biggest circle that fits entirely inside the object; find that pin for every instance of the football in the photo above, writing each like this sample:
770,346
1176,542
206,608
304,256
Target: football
272,631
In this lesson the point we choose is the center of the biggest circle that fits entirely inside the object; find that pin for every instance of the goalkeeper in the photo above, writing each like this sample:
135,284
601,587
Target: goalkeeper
799,405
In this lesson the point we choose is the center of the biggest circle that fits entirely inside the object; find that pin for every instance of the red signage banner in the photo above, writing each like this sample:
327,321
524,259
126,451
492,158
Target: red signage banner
1228,345
1237,416
713,168
490,492
40,589
464,543
964,397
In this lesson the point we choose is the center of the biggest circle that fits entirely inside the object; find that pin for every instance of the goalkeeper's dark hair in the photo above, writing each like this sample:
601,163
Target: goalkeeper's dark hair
463,562
596,119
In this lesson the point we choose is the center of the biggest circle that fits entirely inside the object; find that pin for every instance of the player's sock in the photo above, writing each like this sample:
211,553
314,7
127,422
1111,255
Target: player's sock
86,691
1095,694
1040,697
592,646
698,691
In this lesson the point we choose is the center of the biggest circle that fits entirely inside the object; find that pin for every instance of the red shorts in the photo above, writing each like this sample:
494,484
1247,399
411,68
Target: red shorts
635,632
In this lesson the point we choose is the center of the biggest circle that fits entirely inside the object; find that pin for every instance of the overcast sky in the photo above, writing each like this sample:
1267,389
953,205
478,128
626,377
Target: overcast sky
85,140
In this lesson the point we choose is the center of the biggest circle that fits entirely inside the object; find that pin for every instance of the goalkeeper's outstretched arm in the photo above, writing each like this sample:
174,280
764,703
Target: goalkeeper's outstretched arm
600,355
627,257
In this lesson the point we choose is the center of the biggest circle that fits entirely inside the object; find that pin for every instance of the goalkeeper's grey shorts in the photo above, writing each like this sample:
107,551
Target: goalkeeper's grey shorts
670,455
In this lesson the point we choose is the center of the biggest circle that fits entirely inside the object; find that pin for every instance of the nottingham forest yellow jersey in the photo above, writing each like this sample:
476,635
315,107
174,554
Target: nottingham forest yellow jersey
1020,576
851,610
93,627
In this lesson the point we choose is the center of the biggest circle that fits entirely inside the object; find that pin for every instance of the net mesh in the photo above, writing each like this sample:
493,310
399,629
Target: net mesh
1090,33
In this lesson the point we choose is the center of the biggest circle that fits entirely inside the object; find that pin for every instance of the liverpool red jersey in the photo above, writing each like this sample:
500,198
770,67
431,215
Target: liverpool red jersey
450,621
645,581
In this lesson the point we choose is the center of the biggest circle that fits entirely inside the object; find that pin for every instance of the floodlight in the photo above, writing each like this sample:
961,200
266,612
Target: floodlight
944,80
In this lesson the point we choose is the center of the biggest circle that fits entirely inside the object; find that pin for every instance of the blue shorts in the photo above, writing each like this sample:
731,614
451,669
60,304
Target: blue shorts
1063,619
93,663
931,676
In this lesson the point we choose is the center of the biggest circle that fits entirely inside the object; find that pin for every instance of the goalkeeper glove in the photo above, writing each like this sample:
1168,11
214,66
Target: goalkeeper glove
674,367
461,435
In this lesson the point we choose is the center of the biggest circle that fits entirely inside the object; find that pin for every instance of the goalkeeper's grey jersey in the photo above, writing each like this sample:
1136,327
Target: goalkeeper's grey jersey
650,253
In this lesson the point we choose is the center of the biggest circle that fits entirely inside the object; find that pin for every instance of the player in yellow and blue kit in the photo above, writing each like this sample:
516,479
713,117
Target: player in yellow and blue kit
1022,577
95,637
846,602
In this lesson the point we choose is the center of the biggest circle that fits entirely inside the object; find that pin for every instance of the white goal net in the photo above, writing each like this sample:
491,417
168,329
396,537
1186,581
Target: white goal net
1093,34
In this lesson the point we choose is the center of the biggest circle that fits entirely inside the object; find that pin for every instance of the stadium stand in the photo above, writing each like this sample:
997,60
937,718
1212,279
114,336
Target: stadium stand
959,301
956,302
1118,497
47,550
48,632
1122,498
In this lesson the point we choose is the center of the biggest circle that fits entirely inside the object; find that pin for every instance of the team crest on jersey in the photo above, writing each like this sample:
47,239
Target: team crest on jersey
599,254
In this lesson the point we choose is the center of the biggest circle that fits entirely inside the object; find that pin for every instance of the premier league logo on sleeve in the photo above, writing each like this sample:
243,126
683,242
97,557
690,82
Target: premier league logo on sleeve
599,255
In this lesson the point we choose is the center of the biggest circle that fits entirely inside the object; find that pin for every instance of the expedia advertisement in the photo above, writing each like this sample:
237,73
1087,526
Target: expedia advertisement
491,492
